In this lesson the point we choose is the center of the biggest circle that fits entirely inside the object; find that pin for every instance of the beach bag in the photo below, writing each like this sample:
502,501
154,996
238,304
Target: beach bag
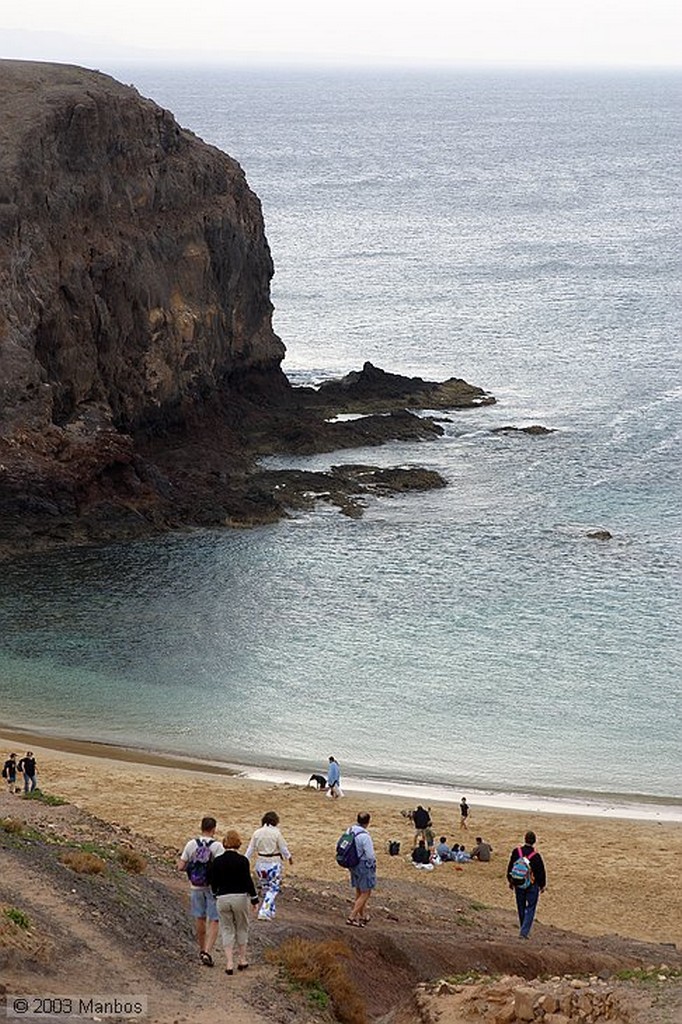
347,855
521,874
393,848
197,867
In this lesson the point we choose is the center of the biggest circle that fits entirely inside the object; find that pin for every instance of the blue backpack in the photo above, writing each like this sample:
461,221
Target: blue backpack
521,874
347,855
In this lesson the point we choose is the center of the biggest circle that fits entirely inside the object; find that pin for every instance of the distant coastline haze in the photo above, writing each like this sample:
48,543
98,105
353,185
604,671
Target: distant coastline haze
527,33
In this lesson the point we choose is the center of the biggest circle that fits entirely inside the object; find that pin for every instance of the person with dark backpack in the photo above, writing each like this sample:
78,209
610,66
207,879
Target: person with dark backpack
355,851
9,773
195,860
526,875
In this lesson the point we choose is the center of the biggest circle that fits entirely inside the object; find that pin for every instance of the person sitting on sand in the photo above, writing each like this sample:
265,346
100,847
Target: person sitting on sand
421,858
229,876
481,851
195,859
461,856
267,842
443,849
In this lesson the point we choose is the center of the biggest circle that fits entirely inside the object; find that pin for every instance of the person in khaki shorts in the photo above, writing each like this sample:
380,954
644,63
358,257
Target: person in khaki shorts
233,887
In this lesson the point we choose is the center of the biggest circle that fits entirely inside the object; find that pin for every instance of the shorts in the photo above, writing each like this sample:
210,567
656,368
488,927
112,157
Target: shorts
202,904
364,876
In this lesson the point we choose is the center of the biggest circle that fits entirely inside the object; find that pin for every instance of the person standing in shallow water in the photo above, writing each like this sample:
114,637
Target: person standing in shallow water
528,891
267,842
363,877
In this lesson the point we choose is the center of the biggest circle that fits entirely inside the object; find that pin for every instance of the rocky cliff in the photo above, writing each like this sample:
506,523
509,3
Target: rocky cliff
140,376
134,268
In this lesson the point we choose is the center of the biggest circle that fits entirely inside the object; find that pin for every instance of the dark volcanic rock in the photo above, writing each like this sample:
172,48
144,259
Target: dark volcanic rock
535,430
374,390
599,535
134,269
140,376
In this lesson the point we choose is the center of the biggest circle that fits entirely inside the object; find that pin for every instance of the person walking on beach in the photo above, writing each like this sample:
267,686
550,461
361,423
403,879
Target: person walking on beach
229,876
464,813
527,877
9,773
195,860
27,766
334,779
363,877
267,842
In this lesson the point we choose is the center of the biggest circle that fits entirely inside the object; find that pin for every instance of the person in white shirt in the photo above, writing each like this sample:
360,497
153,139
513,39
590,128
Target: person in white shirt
267,843
195,860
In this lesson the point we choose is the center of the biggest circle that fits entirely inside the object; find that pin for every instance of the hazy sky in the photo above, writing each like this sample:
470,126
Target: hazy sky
519,32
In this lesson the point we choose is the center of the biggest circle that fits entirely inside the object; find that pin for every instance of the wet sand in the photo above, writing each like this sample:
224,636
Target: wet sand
606,875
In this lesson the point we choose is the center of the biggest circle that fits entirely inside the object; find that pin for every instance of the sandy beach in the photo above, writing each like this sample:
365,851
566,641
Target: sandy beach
606,875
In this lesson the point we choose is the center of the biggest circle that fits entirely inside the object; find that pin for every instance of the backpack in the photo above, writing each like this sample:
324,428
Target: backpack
197,867
521,874
347,855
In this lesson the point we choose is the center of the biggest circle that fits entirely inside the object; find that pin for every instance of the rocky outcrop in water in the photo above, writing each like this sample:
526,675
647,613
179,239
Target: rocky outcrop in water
140,376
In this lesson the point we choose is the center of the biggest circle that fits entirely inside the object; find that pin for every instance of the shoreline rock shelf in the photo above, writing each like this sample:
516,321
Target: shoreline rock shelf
140,376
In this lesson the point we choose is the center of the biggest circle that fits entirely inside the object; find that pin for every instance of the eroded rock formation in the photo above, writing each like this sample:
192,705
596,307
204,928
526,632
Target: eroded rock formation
134,268
140,376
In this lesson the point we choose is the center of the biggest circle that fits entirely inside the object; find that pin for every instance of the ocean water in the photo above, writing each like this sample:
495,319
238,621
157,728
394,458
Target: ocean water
521,231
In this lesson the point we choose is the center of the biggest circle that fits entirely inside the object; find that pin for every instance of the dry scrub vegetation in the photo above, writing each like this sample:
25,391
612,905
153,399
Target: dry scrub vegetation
84,863
318,968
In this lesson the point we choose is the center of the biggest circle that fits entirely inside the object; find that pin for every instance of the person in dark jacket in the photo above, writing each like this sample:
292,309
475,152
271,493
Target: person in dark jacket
421,819
27,767
528,890
229,877
421,857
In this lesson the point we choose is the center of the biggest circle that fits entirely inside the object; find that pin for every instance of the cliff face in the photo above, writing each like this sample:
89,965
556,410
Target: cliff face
140,377
134,269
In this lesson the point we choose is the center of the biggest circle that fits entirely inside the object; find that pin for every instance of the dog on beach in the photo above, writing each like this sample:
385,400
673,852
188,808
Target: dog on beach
319,780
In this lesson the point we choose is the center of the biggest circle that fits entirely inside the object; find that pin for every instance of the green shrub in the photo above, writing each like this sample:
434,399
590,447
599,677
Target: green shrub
45,798
18,916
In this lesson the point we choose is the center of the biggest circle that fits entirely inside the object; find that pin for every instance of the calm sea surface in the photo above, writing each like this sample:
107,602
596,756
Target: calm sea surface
521,231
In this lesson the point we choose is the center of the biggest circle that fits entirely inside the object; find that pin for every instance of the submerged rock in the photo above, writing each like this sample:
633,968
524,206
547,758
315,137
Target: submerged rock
535,430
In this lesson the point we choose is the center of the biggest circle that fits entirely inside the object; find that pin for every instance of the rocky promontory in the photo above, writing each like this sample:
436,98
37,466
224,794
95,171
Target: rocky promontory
140,376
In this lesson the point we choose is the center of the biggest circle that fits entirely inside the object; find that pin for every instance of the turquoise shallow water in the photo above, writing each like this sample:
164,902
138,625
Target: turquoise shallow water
522,232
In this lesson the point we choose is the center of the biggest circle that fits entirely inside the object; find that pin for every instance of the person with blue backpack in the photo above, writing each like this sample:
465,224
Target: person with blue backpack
195,860
355,851
526,875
